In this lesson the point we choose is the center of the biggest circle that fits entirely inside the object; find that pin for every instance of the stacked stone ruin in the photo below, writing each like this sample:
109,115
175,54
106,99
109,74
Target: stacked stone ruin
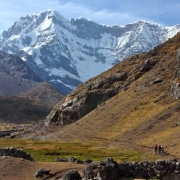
111,170
19,153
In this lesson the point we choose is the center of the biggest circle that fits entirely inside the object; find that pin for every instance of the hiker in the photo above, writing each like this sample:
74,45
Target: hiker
159,149
155,147
162,150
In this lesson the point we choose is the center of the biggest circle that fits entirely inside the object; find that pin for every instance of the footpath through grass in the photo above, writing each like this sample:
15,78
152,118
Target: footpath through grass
48,151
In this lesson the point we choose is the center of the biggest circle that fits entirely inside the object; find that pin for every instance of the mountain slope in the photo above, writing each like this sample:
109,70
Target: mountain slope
142,108
24,98
15,75
30,106
66,53
42,94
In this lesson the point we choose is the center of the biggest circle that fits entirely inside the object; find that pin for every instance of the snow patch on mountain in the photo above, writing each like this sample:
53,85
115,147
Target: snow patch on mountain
67,53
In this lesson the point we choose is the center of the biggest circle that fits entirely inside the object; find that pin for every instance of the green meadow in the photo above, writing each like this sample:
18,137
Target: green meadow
48,151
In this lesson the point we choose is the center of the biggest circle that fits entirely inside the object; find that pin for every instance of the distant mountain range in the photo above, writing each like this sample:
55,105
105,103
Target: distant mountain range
66,53
30,106
15,76
24,98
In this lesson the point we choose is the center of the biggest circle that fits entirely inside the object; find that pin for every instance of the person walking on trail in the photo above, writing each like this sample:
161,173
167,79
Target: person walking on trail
162,150
155,148
159,149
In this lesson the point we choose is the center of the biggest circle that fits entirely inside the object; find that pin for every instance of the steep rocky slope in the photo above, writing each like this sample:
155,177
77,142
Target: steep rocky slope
66,53
15,76
132,105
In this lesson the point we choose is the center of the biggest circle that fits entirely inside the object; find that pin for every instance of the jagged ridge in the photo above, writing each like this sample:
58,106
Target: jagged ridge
67,53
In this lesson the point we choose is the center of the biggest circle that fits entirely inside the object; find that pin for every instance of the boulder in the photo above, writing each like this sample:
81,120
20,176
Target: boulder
146,66
72,175
41,172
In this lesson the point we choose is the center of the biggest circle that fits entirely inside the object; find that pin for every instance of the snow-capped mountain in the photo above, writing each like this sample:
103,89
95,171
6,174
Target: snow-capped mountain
68,52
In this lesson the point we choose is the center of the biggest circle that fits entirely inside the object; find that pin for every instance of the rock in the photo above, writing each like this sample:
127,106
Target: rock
118,77
15,153
72,175
175,89
78,161
61,159
140,172
38,174
156,81
71,159
41,172
88,161
4,134
146,66
161,163
107,169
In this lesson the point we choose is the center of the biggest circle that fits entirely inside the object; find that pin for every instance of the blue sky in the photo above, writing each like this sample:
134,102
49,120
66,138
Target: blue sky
110,12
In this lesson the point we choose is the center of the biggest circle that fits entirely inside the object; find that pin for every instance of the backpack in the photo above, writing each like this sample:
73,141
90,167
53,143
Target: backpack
155,146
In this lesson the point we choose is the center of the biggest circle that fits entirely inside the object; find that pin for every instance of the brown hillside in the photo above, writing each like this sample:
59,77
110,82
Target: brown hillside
30,106
43,94
128,106
15,76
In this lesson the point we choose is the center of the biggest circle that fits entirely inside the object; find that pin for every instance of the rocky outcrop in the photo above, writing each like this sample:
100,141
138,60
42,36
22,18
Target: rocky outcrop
175,84
91,94
15,153
86,98
175,89
178,63
111,170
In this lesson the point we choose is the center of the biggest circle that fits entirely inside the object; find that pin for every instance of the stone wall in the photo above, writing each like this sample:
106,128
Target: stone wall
111,170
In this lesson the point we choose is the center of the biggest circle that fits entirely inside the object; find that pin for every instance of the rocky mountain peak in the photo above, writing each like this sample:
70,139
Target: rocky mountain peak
33,22
67,53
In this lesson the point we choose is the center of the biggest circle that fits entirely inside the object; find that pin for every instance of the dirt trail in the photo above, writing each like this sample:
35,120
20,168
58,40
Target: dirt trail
17,169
